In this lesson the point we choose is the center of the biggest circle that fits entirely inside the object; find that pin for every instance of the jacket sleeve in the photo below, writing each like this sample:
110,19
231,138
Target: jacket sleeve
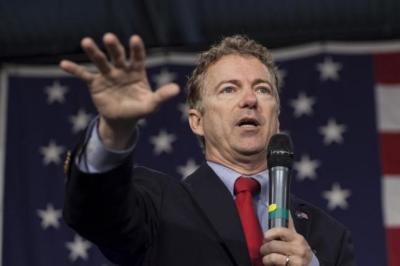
117,210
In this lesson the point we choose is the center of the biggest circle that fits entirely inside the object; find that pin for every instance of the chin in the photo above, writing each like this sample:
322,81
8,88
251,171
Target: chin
249,150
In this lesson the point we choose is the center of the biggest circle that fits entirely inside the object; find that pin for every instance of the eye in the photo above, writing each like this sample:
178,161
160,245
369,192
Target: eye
264,90
228,89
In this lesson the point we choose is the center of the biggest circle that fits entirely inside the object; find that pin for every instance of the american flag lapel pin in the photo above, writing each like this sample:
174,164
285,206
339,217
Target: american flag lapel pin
302,215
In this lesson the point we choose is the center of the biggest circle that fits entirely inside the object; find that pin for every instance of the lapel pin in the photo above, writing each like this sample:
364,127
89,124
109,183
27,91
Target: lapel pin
302,215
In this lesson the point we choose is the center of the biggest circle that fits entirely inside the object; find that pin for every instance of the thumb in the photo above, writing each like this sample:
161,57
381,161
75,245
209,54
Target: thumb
166,92
291,223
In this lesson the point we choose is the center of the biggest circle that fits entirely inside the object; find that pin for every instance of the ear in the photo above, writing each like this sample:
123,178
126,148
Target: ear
196,121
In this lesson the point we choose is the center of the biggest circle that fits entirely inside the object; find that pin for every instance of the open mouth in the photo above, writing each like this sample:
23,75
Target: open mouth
248,122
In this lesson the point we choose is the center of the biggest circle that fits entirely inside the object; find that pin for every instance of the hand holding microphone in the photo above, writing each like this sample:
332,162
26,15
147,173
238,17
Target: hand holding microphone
282,244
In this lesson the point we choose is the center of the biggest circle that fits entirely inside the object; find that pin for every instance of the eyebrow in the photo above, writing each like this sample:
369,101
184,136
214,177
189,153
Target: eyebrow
237,82
257,81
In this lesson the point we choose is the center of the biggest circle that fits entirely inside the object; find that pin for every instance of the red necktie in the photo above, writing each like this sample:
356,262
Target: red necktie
244,188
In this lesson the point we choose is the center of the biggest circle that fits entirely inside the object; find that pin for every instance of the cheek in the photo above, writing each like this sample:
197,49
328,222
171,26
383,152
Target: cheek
275,124
272,122
275,118
217,124
216,114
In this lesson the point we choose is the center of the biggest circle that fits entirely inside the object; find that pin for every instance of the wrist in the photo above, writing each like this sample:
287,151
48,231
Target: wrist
116,135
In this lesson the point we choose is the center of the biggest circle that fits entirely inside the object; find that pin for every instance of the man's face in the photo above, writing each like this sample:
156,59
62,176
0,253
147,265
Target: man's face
239,109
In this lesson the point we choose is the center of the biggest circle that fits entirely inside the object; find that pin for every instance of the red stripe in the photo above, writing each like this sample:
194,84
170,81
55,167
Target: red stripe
390,153
387,68
393,241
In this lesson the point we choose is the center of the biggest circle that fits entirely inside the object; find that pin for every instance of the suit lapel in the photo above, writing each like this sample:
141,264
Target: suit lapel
301,217
217,205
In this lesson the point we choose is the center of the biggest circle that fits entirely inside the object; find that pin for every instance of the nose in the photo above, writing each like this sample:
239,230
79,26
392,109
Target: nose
249,99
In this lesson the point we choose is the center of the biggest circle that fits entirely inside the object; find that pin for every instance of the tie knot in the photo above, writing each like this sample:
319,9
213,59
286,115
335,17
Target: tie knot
246,184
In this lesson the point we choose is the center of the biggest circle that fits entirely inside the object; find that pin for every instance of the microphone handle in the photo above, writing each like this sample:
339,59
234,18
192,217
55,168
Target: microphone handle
278,209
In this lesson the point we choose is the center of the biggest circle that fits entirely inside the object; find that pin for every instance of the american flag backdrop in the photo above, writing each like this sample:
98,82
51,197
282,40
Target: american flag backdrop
340,103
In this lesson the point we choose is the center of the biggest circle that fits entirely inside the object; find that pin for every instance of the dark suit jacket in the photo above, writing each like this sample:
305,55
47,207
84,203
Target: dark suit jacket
138,216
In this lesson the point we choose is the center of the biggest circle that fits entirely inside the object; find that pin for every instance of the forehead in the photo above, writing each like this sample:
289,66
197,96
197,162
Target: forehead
244,68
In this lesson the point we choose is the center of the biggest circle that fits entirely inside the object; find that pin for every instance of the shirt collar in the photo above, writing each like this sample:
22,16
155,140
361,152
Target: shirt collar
228,176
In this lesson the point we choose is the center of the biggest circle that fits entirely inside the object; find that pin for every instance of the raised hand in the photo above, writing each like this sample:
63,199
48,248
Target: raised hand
119,89
284,246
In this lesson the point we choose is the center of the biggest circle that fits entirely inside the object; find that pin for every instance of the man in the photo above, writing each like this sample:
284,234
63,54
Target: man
138,216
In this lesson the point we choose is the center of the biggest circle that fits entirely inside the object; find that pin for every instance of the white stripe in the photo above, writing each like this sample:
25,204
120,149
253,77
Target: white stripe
181,58
3,123
363,47
388,107
188,59
391,200
37,70
335,48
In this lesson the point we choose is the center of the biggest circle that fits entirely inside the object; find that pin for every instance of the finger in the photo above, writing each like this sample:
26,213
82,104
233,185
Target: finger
279,233
274,259
276,246
96,55
291,223
137,53
166,92
115,50
77,70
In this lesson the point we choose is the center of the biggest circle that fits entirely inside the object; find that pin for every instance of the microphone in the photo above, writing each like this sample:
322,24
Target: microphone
280,161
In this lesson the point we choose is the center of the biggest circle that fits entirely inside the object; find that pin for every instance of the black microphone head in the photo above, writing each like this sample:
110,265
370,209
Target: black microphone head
280,151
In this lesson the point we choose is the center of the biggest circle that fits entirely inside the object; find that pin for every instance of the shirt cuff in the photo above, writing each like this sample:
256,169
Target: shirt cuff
96,158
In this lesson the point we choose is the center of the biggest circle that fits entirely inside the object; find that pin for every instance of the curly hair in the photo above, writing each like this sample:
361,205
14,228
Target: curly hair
233,45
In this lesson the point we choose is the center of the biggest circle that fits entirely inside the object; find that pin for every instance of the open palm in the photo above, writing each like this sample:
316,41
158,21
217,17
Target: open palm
120,89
